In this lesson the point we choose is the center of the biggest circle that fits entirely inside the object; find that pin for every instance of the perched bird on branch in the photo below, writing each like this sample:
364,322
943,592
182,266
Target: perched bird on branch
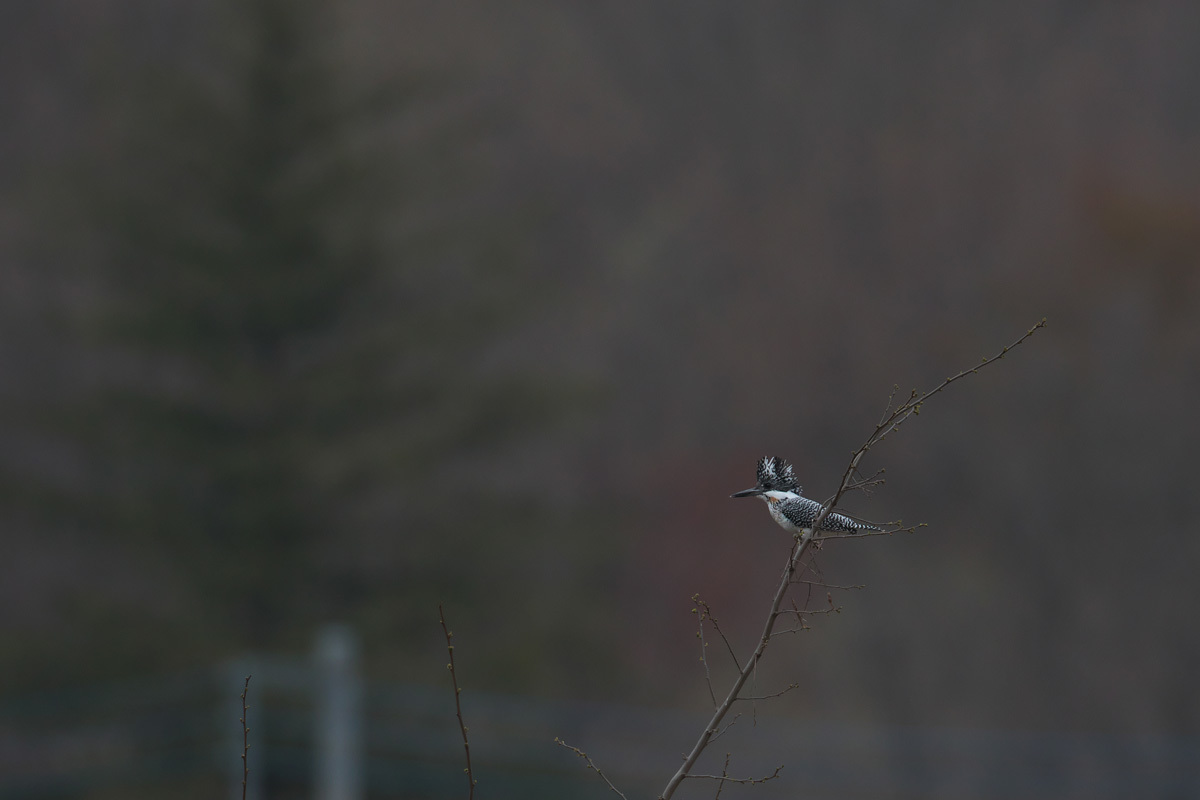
777,486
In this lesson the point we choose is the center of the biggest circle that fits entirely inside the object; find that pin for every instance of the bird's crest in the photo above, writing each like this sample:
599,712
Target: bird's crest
775,474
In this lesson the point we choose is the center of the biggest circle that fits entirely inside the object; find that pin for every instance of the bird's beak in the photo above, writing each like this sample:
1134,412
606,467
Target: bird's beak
747,493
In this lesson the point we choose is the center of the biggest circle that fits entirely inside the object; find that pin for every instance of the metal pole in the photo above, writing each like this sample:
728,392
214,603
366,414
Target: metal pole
338,717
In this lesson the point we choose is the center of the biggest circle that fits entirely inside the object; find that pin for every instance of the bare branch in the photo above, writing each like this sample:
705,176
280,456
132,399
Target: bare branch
811,612
726,779
799,612
457,704
780,693
866,483
891,397
831,585
704,653
893,417
707,614
724,775
796,610
800,629
719,733
587,759
245,738
802,545
810,568
865,534
803,626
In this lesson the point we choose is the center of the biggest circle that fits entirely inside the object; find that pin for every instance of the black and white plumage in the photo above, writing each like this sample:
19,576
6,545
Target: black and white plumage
777,486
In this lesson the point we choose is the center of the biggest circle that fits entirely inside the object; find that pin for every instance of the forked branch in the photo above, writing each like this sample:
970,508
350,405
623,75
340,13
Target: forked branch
893,418
711,728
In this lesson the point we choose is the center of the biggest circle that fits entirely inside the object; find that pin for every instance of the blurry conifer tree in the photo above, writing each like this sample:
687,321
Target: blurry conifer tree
291,328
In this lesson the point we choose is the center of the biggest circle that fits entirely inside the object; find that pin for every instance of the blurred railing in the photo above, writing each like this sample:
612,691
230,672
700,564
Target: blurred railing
318,730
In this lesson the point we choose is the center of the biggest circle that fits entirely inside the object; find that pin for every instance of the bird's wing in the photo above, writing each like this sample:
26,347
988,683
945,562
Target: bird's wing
802,512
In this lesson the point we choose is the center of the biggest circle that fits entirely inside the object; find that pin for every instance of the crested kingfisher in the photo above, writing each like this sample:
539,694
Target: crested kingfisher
777,486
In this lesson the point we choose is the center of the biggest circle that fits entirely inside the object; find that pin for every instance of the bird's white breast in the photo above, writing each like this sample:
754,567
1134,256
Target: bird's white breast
774,502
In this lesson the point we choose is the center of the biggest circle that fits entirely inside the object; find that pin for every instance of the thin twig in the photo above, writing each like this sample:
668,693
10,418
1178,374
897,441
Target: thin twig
780,693
719,733
831,608
245,738
800,614
812,611
588,760
717,627
457,703
810,568
888,406
800,629
803,626
866,484
704,653
724,775
754,705
727,779
831,585
865,534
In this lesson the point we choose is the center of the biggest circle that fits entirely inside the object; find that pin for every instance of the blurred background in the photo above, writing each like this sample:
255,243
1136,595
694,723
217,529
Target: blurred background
317,313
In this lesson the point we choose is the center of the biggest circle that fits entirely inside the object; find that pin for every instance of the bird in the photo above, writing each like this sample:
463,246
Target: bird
777,486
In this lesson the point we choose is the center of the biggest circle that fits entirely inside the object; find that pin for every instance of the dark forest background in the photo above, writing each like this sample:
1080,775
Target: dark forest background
319,311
